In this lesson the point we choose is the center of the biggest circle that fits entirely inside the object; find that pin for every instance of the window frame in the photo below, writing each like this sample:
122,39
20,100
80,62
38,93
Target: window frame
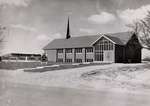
104,44
68,50
68,60
78,50
60,51
78,60
89,50
89,60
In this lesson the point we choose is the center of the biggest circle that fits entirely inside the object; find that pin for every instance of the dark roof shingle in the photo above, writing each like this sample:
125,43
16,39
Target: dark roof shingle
87,41
120,38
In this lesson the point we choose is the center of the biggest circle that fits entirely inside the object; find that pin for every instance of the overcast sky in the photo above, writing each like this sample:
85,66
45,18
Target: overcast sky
31,24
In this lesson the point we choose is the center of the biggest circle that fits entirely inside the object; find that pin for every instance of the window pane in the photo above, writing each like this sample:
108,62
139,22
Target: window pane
68,50
68,60
78,50
89,49
89,60
78,60
60,51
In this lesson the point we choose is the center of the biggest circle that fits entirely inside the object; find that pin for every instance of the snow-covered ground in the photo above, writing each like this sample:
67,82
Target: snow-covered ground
112,77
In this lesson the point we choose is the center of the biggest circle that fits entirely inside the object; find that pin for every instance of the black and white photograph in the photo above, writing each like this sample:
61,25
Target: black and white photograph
74,52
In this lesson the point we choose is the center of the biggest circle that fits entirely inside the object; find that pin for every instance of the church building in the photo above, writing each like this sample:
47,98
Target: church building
123,47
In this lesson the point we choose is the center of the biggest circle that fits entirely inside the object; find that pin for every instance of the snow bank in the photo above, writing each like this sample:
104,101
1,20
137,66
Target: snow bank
119,77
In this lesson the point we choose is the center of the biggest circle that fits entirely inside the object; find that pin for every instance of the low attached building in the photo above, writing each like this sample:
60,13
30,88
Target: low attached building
21,57
121,47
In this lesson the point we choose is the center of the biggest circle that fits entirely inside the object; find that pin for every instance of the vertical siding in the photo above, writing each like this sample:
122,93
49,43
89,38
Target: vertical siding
108,55
51,55
114,48
73,55
94,54
133,50
64,55
119,54
84,55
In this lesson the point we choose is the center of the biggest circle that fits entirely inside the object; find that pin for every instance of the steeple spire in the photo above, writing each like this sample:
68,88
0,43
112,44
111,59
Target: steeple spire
68,30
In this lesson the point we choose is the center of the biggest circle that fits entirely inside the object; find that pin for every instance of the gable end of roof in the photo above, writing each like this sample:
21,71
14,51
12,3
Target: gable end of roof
103,35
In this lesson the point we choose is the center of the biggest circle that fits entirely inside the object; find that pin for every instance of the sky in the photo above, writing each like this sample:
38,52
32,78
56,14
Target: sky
31,24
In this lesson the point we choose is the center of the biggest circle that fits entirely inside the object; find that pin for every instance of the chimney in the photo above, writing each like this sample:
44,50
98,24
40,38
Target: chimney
68,30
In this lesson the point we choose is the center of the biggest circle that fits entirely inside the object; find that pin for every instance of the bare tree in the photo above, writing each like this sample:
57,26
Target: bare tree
142,29
136,26
2,36
145,34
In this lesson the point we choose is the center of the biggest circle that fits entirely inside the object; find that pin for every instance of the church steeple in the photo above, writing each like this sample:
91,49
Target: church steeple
68,30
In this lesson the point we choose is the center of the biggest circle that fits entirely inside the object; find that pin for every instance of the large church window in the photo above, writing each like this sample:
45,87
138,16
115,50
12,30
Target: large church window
102,45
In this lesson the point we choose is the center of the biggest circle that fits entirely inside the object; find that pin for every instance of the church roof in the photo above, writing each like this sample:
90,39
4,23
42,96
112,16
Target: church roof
86,41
